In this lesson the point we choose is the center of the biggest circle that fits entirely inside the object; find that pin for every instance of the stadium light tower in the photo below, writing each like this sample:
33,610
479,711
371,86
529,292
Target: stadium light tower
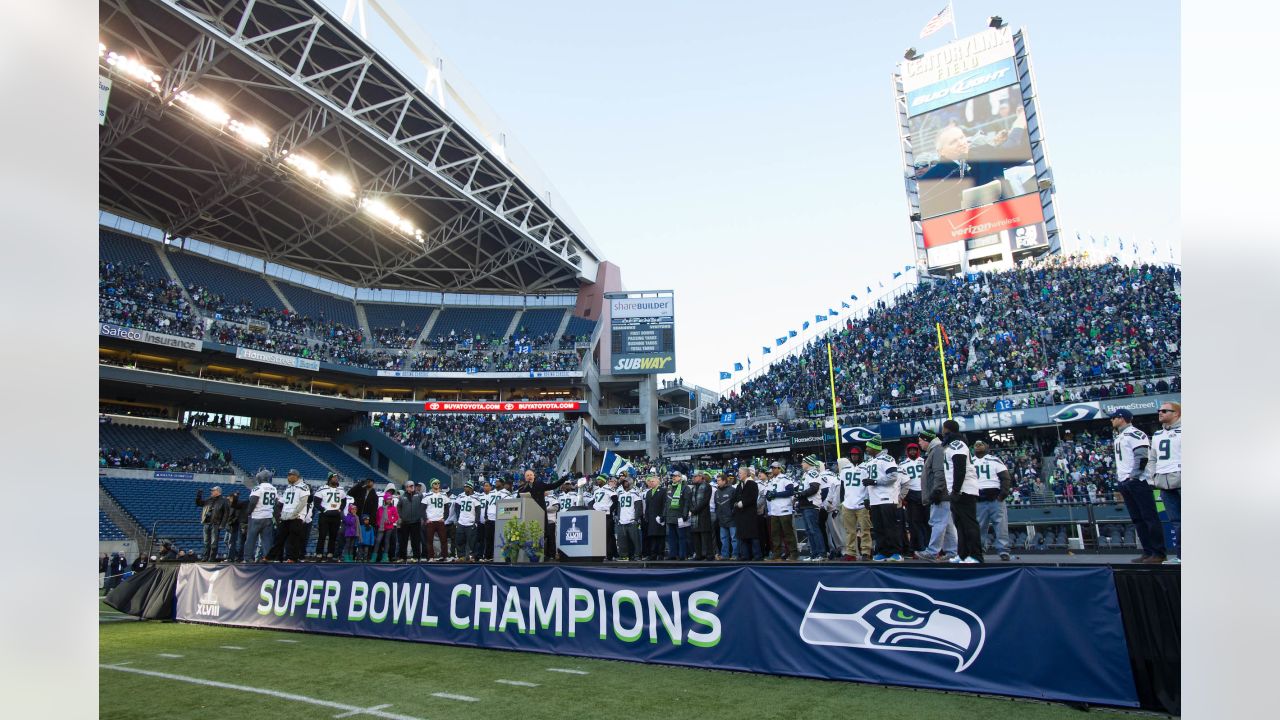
911,54
996,22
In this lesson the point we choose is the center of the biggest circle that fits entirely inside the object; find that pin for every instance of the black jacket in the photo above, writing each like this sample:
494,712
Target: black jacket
745,516
700,507
538,491
655,502
216,509
725,498
670,515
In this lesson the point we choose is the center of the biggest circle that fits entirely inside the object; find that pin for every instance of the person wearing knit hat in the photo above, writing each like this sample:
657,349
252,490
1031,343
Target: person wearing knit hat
808,500
882,478
262,501
912,467
943,538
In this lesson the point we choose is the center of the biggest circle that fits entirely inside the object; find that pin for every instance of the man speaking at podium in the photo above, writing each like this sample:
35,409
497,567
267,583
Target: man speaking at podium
537,489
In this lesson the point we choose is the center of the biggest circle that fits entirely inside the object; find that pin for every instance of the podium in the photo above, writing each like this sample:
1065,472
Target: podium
521,507
581,534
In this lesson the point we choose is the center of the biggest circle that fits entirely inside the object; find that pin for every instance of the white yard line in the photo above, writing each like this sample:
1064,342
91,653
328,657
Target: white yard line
169,655
348,710
349,713
450,696
231,647
567,670
283,640
517,683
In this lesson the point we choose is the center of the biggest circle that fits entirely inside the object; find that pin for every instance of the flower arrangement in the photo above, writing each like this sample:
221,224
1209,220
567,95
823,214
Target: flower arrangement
522,537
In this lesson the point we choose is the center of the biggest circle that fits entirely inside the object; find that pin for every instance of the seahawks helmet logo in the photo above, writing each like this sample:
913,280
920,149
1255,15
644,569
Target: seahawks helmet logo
892,619
1076,412
859,434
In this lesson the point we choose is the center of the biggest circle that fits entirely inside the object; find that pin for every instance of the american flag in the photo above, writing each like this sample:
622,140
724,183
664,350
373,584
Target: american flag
938,22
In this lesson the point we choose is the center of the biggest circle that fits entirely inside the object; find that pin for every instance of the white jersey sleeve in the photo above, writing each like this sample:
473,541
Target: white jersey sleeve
1166,446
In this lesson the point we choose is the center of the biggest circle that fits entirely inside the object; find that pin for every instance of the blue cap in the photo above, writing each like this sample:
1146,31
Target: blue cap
1122,413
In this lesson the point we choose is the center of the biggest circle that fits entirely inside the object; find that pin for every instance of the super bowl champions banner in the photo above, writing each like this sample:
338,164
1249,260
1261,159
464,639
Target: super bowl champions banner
1048,633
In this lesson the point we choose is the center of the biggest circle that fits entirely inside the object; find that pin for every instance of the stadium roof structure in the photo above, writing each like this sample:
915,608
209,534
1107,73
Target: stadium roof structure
270,127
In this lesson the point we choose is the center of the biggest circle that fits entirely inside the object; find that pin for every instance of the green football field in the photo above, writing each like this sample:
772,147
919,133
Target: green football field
154,670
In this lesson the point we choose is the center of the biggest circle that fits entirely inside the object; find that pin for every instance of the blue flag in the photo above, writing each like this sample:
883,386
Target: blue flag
853,298
868,289
765,350
792,333
805,326
819,318
844,304
780,341
831,312
748,363
897,275
882,284
737,367
907,268
612,464
724,375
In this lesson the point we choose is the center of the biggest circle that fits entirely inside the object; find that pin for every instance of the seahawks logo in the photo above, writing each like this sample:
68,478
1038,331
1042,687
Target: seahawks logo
1077,412
859,434
892,619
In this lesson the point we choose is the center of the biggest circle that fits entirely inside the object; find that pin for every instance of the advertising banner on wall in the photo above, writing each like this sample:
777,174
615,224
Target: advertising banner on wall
540,406
277,359
147,336
983,221
642,335
453,374
969,630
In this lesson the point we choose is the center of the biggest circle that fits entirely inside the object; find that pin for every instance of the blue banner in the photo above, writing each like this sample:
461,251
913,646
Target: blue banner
983,630
728,418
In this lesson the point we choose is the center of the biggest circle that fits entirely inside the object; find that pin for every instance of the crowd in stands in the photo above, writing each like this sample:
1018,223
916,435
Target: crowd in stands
128,298
146,459
480,444
1069,330
401,338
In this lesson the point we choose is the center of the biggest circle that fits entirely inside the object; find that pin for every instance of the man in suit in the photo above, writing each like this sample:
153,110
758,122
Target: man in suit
654,532
745,518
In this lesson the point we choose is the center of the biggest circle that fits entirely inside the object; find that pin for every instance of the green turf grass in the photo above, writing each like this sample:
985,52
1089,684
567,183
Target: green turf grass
365,672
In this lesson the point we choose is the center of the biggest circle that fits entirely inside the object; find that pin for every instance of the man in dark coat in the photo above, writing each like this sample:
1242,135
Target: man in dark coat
675,507
654,532
365,497
726,496
213,516
701,525
745,516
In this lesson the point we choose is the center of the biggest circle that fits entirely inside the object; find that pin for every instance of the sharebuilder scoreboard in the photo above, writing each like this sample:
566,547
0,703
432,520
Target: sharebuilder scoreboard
642,333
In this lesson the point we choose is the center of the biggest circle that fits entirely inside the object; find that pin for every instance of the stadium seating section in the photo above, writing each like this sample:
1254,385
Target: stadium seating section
540,321
488,322
168,445
580,327
234,285
386,315
319,306
108,530
353,469
167,505
277,454
132,252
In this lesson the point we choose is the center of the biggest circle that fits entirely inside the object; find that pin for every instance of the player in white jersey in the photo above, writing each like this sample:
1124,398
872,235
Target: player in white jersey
855,514
782,530
262,502
917,506
994,483
605,499
468,504
1132,451
628,526
829,510
881,481
487,520
1166,443
293,511
330,500
962,481
437,504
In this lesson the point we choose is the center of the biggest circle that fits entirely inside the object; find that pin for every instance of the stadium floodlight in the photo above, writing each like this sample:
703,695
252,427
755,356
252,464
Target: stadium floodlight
334,183
251,134
911,54
205,108
380,210
1046,184
131,67
995,21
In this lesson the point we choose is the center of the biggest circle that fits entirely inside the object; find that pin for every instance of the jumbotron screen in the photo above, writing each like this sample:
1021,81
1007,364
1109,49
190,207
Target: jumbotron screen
642,335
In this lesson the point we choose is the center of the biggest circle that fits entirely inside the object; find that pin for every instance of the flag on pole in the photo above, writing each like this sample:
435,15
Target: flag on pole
939,21
831,312
819,318
805,326
853,298
765,349
897,275
780,341
792,333
844,304
737,367
907,268
868,289
946,340
612,464
724,375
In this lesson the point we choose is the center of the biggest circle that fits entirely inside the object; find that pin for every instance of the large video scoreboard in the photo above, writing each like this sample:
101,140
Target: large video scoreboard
642,333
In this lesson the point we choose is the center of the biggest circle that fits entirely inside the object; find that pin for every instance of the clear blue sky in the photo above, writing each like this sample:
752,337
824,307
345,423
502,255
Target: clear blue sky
745,153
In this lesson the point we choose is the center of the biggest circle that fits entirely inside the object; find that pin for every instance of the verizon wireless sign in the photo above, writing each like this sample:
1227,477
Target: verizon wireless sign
506,407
